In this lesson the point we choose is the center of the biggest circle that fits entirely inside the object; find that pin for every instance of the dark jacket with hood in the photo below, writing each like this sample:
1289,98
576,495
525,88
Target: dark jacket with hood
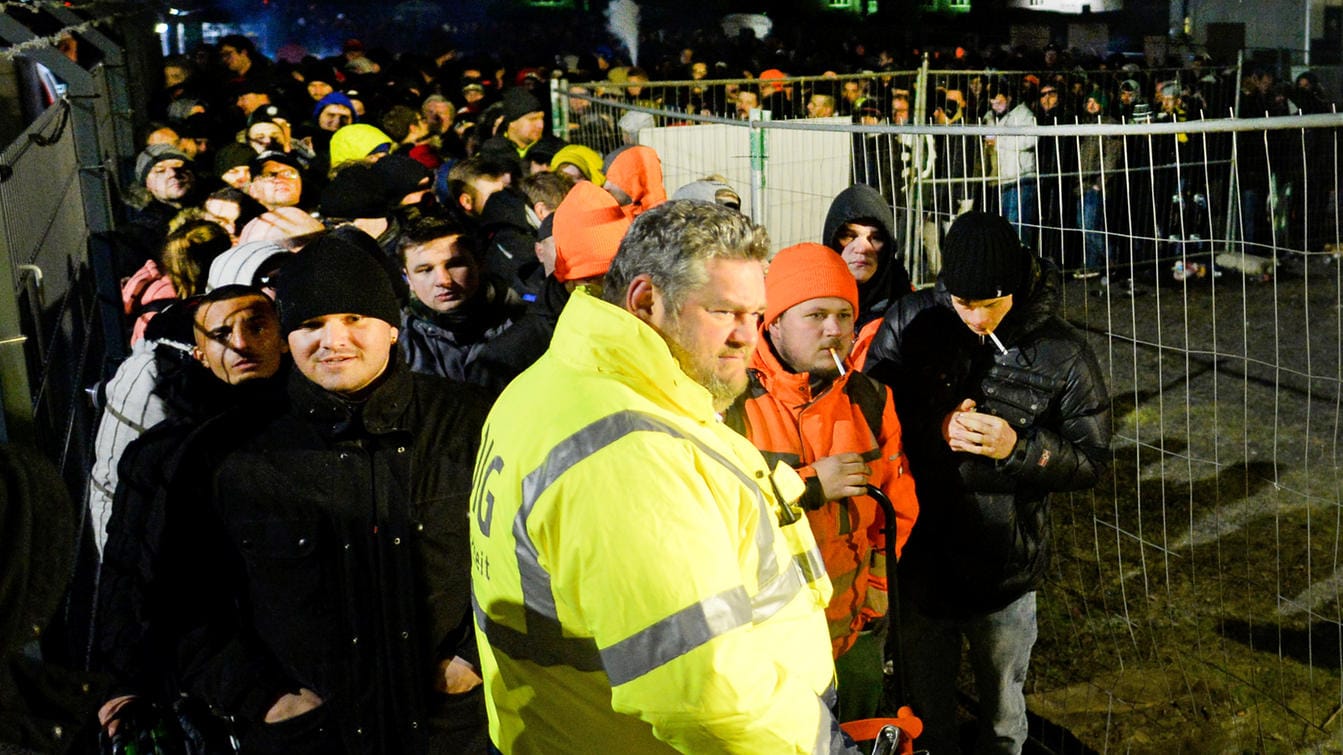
448,344
327,550
514,350
861,203
510,241
982,538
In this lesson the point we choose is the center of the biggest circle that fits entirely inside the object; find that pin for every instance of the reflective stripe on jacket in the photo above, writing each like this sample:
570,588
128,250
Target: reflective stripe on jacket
853,414
634,588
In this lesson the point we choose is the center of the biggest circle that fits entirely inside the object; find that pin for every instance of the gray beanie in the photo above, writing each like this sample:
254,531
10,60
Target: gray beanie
155,154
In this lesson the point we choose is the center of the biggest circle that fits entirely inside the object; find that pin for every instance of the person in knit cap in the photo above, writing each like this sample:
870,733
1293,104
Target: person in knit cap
634,178
339,522
808,404
253,263
232,165
589,225
523,124
1002,403
165,181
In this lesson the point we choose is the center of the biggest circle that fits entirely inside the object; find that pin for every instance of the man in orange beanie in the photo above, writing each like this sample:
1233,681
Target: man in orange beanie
589,225
808,406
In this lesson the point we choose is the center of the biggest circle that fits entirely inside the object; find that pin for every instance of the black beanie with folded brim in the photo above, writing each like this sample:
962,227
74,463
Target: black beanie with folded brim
519,102
334,276
983,258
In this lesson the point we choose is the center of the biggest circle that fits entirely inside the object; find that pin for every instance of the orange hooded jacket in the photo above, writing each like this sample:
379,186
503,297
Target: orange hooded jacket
854,414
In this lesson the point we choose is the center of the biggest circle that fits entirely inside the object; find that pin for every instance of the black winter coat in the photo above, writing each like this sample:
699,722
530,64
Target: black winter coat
328,551
132,602
982,537
449,344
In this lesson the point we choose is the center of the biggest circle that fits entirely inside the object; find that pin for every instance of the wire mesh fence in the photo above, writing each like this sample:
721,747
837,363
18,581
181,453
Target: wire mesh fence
1195,599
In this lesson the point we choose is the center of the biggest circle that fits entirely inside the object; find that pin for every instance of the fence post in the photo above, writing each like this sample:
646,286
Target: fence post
759,137
559,108
1234,222
915,179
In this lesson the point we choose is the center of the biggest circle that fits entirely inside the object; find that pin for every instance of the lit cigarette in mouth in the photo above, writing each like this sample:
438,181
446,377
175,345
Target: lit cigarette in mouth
838,363
996,342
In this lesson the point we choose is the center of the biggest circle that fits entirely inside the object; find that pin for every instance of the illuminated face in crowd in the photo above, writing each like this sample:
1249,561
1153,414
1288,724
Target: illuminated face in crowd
805,334
715,329
169,180
239,339
334,117
442,273
277,185
860,246
343,353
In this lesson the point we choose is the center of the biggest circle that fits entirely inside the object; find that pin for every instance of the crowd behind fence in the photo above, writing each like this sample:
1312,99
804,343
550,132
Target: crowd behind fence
1197,601
1255,186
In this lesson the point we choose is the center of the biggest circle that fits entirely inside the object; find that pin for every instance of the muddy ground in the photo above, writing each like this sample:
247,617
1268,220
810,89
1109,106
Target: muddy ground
1195,605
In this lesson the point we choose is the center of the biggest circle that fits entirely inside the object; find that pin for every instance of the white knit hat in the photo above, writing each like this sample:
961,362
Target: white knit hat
240,264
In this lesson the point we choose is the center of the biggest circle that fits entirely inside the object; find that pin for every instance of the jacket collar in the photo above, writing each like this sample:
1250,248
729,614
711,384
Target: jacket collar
594,336
383,411
794,389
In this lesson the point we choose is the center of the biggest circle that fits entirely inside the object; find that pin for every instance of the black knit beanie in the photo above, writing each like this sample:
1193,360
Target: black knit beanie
982,257
355,192
334,276
519,102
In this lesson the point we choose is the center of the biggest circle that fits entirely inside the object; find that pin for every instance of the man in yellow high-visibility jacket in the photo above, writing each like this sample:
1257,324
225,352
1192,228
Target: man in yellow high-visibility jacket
642,581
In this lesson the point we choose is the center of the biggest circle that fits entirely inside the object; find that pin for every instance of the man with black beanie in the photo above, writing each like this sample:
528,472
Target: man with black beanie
1002,403
328,547
523,124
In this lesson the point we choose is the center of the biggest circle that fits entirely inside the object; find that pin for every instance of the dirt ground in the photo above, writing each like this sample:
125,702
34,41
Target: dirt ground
1195,600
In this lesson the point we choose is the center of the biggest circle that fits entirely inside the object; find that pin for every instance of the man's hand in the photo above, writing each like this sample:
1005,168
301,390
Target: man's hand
456,676
279,224
965,429
292,705
842,475
107,715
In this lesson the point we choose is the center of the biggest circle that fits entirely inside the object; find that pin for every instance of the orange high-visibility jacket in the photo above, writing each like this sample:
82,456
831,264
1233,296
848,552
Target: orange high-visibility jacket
854,413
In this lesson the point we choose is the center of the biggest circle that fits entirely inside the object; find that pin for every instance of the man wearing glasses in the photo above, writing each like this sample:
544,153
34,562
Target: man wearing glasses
277,180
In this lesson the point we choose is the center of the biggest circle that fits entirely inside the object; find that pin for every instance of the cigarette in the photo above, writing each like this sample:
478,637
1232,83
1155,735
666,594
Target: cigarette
838,363
997,343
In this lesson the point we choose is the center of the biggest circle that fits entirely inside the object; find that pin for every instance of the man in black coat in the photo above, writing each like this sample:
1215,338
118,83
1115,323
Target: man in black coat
1002,403
325,598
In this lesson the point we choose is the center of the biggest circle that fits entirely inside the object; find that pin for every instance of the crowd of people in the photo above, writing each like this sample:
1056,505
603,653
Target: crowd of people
440,433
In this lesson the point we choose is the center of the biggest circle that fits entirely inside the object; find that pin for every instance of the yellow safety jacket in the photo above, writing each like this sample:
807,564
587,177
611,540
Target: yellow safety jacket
634,588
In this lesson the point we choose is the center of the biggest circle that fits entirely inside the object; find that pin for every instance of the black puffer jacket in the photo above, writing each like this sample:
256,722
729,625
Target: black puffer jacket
328,551
982,539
